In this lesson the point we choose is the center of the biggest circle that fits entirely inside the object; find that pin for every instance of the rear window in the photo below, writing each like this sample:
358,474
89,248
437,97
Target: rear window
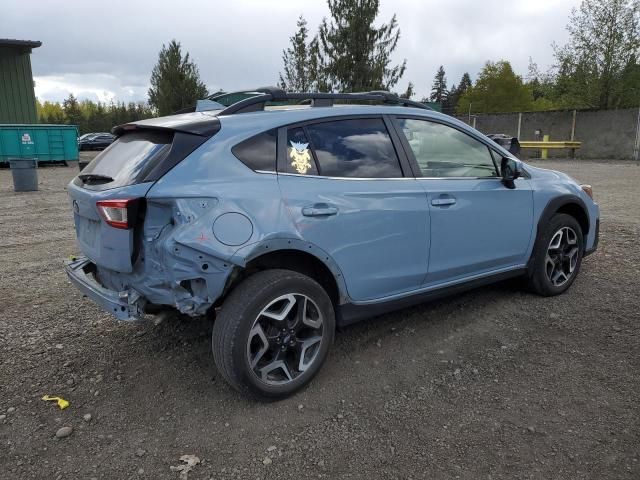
130,157
259,152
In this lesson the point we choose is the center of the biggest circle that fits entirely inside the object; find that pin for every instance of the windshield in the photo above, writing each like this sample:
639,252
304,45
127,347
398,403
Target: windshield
130,157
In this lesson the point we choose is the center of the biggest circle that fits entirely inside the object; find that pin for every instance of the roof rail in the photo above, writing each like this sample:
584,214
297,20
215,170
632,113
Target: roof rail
275,94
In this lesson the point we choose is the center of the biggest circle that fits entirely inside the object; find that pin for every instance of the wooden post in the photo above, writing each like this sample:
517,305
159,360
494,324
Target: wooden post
573,126
519,125
636,148
545,138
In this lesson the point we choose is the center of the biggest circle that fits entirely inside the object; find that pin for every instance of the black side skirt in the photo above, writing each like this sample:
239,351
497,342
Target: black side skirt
349,313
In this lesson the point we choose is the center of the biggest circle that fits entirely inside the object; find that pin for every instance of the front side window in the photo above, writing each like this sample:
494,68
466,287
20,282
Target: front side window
443,151
356,148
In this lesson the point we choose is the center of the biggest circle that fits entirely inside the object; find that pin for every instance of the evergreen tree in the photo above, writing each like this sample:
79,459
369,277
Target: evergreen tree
439,87
498,89
541,86
72,112
297,66
98,119
533,80
604,39
465,84
175,81
317,68
456,92
449,105
628,90
354,54
52,112
409,92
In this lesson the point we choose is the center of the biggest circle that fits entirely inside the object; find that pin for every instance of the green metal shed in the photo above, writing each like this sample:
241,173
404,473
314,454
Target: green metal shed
17,97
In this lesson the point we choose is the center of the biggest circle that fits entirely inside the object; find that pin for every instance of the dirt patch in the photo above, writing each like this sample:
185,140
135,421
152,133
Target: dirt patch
495,383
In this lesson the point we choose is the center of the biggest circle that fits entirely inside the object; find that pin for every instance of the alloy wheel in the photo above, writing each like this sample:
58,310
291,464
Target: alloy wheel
562,256
285,339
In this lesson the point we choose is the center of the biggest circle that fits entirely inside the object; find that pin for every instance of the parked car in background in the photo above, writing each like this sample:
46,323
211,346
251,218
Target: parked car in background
284,224
95,141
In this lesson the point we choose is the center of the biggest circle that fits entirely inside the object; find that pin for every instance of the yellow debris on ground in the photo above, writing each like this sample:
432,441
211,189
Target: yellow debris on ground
62,403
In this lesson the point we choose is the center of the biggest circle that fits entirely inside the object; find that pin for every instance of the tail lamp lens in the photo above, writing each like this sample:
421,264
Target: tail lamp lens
118,213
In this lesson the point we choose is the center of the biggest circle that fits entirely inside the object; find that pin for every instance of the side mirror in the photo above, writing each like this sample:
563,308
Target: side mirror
510,170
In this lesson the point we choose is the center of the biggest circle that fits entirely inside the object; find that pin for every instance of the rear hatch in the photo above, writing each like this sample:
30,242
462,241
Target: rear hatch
107,197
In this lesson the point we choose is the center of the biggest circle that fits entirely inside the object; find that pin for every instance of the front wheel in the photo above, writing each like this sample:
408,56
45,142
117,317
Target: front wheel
557,255
273,334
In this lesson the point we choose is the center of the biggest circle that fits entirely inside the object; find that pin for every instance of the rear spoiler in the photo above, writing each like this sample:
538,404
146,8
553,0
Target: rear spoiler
200,123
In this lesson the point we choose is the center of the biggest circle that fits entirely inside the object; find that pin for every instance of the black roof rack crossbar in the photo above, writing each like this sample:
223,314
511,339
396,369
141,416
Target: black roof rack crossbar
274,94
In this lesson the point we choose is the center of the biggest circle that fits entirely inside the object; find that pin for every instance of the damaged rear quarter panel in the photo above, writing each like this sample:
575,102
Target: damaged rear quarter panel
184,262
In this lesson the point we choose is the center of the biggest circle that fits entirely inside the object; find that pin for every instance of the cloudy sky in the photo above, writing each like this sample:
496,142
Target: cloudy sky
105,50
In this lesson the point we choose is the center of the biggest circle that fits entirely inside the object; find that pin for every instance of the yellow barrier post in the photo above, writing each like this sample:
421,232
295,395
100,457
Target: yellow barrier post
543,155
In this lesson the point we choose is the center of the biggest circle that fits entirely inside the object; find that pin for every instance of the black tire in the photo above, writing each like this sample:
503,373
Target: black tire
539,277
237,317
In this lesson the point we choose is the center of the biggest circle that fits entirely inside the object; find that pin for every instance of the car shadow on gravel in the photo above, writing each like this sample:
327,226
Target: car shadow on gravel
186,342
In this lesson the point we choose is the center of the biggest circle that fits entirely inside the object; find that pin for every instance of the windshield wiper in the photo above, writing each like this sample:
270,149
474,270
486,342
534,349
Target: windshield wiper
94,177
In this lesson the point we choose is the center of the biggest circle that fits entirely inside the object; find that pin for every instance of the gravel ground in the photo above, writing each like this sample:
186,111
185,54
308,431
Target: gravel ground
494,383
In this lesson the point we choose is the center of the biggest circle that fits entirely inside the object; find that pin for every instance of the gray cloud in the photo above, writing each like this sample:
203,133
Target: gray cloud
102,51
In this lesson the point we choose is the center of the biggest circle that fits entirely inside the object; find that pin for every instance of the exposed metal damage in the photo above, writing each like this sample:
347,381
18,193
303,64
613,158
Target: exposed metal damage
173,264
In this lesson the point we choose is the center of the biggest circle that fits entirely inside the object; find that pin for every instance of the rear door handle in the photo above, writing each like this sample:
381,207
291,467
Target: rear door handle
319,210
443,201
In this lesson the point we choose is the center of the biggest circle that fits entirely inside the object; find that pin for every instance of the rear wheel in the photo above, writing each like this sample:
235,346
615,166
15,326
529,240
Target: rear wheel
273,333
557,255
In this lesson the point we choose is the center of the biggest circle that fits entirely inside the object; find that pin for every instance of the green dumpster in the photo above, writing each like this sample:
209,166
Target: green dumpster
45,143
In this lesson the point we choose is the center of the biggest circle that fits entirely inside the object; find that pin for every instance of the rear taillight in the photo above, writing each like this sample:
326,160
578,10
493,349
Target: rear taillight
119,213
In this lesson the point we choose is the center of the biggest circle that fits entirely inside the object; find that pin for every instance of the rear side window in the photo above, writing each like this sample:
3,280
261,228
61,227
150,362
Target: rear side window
131,156
360,148
259,152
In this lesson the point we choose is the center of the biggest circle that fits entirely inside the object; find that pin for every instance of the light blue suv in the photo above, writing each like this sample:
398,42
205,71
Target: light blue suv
287,221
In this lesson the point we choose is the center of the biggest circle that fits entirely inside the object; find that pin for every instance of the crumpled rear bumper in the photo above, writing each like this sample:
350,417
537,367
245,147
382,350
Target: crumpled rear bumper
125,305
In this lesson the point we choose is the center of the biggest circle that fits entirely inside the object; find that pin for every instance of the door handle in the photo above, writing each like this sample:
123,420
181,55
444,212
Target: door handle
319,210
443,201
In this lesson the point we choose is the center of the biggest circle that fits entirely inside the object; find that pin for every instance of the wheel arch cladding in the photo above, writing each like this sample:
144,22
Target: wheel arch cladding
302,262
577,212
570,205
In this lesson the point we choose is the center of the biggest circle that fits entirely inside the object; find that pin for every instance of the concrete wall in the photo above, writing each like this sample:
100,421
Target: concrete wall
603,133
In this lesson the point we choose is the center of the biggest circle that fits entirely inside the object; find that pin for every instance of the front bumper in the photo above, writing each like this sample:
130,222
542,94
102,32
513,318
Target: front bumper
596,239
126,305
